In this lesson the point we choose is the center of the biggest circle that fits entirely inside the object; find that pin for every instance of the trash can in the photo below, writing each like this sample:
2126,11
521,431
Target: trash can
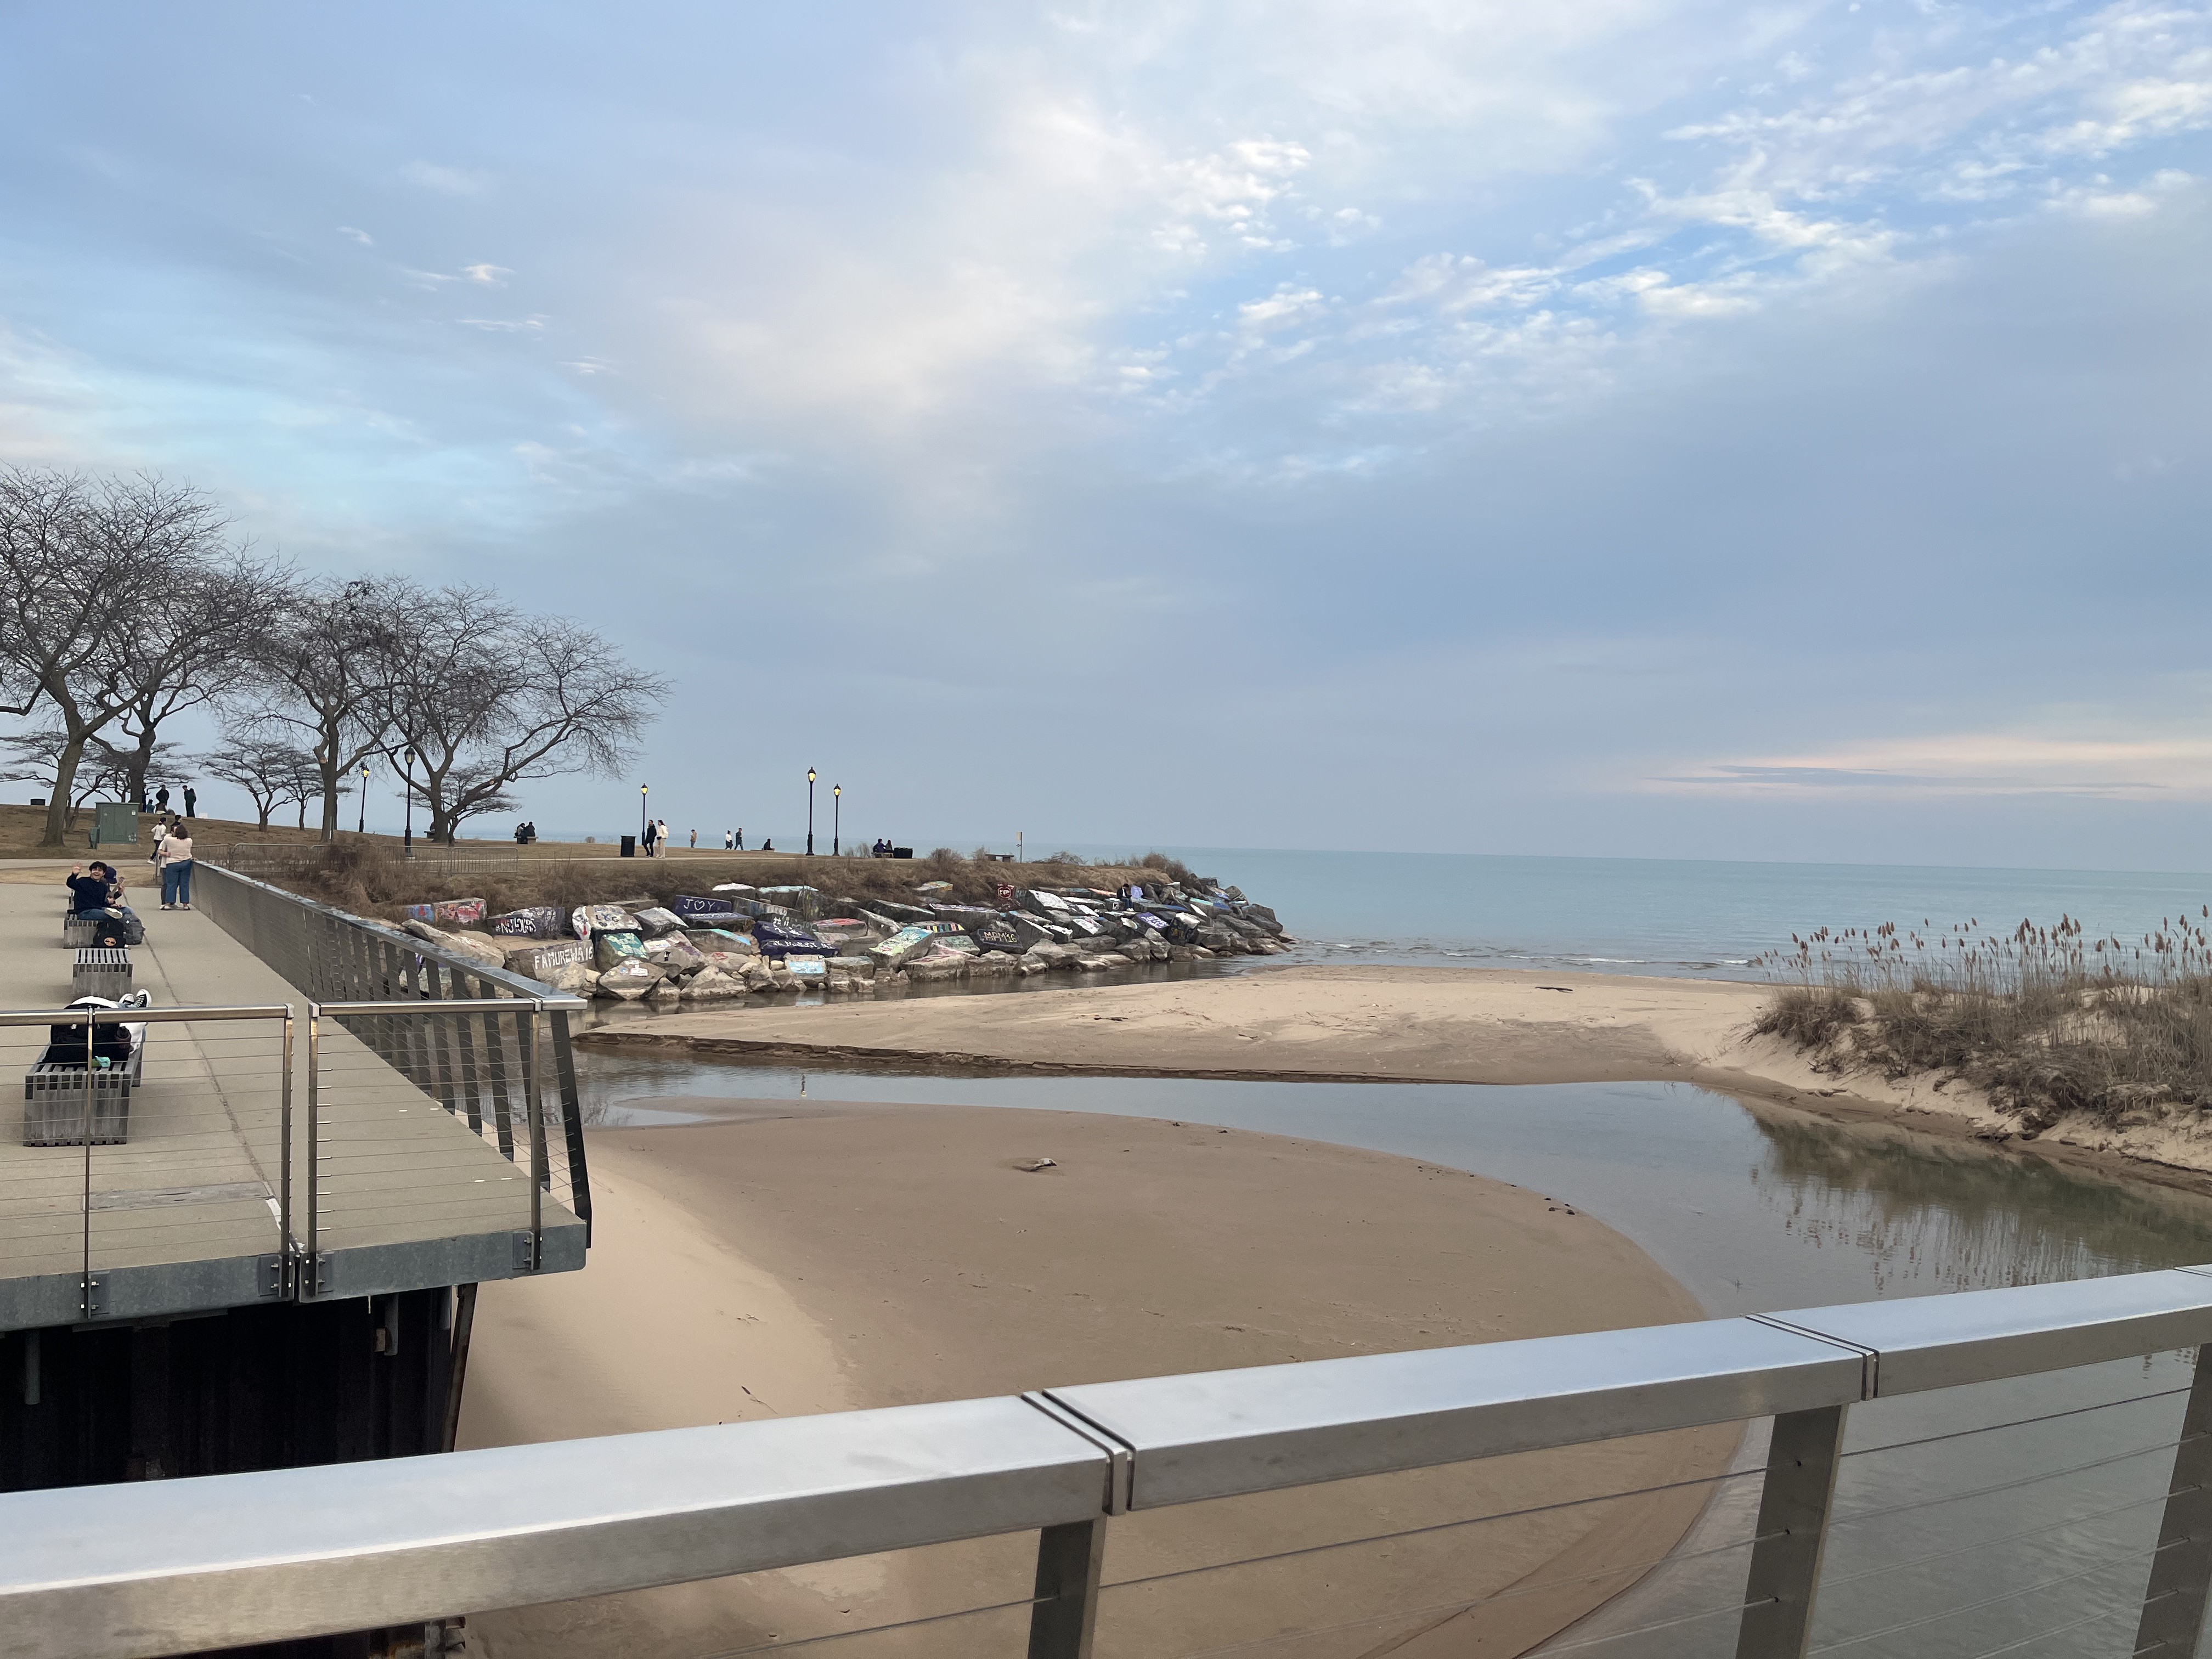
629,847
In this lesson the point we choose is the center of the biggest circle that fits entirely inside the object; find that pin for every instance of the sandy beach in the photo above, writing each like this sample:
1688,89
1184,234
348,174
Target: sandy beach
784,1261
1374,1024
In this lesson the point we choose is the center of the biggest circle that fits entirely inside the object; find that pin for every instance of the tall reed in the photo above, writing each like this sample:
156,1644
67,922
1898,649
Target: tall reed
2045,1018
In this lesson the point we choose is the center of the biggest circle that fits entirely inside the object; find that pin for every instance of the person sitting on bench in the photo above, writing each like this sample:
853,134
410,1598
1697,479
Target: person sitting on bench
90,889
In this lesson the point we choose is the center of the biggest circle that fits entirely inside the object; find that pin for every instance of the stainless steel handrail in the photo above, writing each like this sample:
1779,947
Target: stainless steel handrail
337,957
91,1018
128,1572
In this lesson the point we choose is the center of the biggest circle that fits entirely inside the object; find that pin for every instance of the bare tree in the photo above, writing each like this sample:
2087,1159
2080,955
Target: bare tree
268,765
196,645
323,666
487,698
102,769
84,563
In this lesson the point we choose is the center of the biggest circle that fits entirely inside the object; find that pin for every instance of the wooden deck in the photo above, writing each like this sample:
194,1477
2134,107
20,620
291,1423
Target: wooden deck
185,1217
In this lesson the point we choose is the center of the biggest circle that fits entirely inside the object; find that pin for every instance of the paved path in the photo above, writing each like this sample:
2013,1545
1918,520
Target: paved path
193,1200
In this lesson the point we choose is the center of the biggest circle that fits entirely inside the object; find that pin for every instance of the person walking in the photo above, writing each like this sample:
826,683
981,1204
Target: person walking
650,836
741,839
174,858
162,798
662,841
191,802
695,840
729,840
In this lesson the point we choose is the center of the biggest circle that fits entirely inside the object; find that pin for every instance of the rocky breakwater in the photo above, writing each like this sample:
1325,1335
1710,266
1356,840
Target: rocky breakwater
742,941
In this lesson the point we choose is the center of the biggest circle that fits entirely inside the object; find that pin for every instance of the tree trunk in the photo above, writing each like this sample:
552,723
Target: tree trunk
59,811
328,761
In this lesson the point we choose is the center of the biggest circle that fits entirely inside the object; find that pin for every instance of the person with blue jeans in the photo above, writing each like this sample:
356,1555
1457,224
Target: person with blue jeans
174,856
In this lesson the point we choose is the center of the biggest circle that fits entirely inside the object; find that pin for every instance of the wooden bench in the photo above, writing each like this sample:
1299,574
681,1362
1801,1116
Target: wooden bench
101,970
54,1101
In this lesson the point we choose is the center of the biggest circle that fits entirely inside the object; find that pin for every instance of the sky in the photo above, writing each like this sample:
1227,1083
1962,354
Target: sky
1626,427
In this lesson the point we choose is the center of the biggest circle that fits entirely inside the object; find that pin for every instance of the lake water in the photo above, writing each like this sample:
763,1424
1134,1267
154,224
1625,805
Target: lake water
1648,916
1754,1211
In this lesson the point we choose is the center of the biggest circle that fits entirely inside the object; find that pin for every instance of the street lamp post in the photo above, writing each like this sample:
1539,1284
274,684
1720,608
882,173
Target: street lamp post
362,828
836,816
407,841
643,790
810,811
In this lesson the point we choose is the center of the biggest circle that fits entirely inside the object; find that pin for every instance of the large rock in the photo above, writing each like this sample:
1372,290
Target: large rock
654,922
535,921
698,908
675,953
784,939
474,947
1027,930
1053,955
903,913
997,932
542,962
957,944
804,901
711,939
730,961
611,950
629,980
710,983
906,943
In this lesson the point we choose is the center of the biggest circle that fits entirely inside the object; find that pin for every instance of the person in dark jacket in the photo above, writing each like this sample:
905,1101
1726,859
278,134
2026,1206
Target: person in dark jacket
87,889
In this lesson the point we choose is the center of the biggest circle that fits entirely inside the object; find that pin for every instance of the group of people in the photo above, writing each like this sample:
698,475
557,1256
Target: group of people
96,888
525,833
159,801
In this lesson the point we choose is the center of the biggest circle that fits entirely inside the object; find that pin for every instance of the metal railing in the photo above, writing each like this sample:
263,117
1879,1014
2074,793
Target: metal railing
374,981
127,1572
182,1180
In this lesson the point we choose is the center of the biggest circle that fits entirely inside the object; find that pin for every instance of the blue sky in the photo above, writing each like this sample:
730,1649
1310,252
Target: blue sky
1624,428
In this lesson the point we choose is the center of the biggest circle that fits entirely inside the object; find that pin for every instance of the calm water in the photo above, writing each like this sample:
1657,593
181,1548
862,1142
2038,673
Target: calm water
1754,1212
1648,915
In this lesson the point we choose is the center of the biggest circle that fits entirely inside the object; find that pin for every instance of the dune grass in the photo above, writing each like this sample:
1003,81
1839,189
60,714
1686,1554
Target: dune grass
2046,1021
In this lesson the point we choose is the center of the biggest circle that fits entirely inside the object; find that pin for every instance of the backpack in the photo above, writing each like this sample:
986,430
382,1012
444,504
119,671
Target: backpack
65,1046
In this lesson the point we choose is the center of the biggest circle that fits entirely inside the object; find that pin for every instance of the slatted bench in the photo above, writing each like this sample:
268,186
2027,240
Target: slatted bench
101,970
54,1101
79,931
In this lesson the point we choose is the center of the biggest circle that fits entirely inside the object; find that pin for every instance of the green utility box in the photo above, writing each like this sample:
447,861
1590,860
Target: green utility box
115,824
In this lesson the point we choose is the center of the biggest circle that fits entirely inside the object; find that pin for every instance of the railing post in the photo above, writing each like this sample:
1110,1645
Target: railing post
1791,1534
537,1142
311,1272
285,1244
1064,1619
2173,1600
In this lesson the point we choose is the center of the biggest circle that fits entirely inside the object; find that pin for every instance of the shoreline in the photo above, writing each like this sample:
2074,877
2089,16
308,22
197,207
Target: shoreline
856,1255
1362,1023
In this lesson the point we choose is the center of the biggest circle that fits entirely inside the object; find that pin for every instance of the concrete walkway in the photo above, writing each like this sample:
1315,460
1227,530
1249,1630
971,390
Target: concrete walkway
185,1215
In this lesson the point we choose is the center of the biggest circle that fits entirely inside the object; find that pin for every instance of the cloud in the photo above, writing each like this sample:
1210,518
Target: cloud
491,276
2130,766
446,180
360,236
532,325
